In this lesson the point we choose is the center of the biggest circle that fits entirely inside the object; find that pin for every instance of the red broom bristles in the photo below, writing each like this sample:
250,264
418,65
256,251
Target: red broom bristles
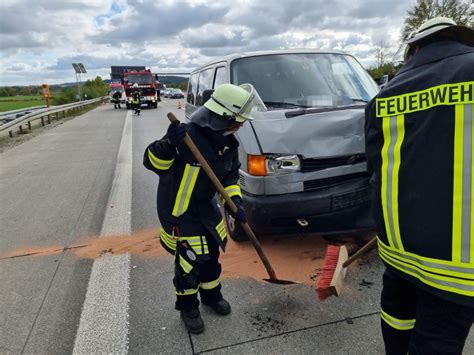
323,286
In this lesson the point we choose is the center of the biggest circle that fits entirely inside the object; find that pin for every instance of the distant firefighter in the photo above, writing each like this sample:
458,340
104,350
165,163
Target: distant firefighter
136,102
116,99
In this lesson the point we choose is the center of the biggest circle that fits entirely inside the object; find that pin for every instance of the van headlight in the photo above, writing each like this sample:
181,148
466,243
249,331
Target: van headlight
272,164
280,164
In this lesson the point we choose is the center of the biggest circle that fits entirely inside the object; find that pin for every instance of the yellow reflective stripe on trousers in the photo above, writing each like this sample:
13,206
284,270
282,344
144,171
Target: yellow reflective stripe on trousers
221,230
158,163
450,284
188,292
185,190
187,267
399,324
233,190
394,133
210,285
199,250
196,242
169,242
463,185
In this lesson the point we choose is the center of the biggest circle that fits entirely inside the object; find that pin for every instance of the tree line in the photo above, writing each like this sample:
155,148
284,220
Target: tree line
8,91
91,89
460,11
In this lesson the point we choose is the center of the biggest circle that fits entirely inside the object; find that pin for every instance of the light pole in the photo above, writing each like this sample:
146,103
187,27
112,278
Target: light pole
79,69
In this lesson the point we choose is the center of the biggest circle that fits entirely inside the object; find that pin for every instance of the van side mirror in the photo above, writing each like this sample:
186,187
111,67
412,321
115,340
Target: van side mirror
206,95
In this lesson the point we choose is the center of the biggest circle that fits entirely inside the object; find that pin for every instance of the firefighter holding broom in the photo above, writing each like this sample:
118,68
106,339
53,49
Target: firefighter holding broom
419,145
192,227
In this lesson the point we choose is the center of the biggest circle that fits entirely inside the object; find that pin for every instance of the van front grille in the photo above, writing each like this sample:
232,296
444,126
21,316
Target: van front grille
325,183
241,180
314,164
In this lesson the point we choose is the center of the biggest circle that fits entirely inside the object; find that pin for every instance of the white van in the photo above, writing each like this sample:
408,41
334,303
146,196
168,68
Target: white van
303,159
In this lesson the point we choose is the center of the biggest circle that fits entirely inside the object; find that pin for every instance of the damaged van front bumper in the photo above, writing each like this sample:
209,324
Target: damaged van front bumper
340,209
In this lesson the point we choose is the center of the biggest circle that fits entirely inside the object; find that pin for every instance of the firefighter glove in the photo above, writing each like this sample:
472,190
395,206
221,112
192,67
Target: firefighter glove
240,216
184,281
176,133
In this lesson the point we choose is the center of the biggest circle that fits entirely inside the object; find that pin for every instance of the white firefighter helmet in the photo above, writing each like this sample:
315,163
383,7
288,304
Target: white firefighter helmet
439,25
234,101
135,85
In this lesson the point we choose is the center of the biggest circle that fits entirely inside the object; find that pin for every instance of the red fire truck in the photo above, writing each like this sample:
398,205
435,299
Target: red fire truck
147,86
116,86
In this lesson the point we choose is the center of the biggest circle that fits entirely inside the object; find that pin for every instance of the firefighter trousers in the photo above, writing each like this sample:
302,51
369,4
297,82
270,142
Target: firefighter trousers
209,277
417,322
137,108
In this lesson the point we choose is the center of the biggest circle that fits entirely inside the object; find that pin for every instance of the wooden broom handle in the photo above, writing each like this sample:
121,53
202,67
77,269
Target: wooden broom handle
368,246
199,157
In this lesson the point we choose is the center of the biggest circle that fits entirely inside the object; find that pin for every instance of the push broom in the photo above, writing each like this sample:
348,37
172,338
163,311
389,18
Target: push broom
336,262
256,244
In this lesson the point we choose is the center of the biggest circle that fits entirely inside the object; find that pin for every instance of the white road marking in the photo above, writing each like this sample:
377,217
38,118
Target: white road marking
103,327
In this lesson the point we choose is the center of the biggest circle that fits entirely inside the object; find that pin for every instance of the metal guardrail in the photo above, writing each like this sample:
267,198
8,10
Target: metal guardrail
45,113
7,114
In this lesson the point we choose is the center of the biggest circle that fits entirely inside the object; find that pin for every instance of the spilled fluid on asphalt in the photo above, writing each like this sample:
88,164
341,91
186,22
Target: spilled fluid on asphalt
296,258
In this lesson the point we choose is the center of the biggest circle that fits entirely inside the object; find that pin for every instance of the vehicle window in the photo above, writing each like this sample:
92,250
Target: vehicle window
306,79
192,88
221,77
140,78
205,83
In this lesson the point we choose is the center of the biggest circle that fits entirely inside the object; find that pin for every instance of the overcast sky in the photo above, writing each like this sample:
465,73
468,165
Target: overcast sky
40,39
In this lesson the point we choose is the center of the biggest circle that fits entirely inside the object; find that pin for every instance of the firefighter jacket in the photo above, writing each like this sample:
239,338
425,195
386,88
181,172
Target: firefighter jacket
419,146
116,97
186,197
136,97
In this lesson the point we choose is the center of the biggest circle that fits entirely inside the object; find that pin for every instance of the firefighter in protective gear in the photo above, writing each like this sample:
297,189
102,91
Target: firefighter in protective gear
192,227
419,146
136,100
116,99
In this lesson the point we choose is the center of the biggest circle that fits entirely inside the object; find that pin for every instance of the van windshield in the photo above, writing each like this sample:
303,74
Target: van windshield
305,79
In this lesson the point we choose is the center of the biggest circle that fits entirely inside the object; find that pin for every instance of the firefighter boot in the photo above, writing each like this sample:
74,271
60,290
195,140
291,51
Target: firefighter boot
221,307
192,320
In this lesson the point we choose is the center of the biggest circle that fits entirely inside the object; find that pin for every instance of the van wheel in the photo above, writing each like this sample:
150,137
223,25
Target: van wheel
235,231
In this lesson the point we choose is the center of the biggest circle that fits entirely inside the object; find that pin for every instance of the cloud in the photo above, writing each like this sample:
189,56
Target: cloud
150,20
45,36
212,36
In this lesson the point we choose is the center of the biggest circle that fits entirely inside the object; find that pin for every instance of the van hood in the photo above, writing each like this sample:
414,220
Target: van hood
322,134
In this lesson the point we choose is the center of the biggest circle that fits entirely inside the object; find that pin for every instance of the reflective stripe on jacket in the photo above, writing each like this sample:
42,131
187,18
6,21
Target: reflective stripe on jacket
136,97
186,196
419,143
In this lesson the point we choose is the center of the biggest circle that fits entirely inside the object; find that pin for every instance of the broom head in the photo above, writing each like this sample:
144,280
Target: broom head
332,278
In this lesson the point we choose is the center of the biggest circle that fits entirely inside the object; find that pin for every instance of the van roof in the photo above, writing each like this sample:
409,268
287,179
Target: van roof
231,57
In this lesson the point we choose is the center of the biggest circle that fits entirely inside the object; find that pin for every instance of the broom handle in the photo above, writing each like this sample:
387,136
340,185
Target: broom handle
368,246
197,154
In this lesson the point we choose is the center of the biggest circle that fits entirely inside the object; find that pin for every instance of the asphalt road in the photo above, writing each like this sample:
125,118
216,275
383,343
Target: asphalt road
85,178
